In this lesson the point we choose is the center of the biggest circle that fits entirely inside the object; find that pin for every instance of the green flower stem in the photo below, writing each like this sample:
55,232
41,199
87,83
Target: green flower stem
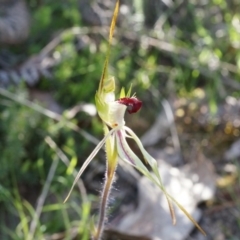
105,194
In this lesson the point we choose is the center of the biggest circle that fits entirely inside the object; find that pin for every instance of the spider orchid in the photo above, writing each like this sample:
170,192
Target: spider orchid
111,112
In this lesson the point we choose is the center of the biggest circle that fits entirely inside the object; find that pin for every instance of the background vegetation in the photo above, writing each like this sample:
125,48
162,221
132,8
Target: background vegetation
165,52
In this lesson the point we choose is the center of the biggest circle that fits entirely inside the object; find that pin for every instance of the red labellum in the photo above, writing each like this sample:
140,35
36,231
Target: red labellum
133,104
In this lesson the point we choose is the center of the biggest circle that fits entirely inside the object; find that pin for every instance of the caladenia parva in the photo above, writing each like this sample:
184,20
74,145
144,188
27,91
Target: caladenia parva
112,111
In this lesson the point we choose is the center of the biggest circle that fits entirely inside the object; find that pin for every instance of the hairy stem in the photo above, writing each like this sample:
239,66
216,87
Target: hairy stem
103,205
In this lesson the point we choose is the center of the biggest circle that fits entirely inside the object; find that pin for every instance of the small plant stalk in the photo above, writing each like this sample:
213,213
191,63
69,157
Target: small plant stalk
104,200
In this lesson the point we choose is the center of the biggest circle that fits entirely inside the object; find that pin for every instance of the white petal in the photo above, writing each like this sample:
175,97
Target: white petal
126,154
109,97
124,151
150,159
152,162
116,114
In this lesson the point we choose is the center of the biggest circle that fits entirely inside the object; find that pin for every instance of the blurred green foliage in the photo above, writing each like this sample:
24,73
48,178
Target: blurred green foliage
205,50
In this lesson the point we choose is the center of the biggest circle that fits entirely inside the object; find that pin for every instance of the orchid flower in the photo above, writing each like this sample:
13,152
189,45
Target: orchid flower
111,112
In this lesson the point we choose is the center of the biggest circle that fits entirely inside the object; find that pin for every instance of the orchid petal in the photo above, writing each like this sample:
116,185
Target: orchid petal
126,154
153,163
187,214
89,159
124,151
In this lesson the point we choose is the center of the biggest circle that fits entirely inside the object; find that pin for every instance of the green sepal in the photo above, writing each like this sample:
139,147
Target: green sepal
102,107
122,93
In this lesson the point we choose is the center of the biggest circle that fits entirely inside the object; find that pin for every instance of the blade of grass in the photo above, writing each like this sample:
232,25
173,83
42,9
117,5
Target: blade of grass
42,198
